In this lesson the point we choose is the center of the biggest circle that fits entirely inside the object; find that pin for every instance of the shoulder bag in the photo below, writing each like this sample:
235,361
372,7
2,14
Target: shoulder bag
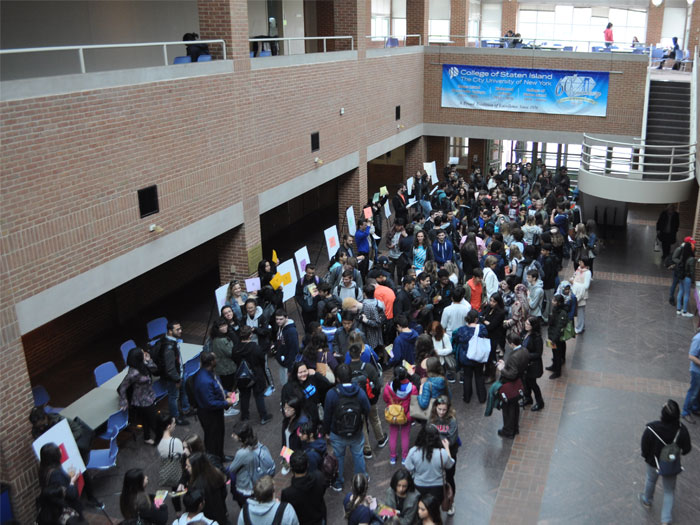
448,495
170,468
416,411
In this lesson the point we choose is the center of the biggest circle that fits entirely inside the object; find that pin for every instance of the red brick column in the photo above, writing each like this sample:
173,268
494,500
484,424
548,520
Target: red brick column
694,35
655,19
240,249
416,155
417,17
509,17
352,191
459,20
351,18
18,466
437,151
228,20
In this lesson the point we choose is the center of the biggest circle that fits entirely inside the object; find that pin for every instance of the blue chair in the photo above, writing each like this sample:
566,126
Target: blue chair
115,424
191,367
657,55
568,48
265,54
105,372
484,43
391,42
252,54
638,51
182,60
103,459
596,49
204,58
159,390
686,59
156,328
125,347
518,46
41,399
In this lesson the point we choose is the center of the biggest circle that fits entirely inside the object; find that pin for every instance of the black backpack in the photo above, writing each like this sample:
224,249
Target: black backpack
347,416
156,353
669,461
244,375
277,520
361,379
189,388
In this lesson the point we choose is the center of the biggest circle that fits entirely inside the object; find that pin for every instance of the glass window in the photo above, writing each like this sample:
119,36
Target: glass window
439,30
398,28
491,21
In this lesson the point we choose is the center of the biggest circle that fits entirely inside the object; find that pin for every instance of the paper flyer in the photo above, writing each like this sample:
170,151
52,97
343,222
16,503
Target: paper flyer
409,185
375,197
286,453
252,285
220,294
383,191
453,161
367,212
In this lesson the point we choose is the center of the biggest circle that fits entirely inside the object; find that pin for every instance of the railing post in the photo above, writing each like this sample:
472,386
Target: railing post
324,44
670,164
352,43
165,54
82,60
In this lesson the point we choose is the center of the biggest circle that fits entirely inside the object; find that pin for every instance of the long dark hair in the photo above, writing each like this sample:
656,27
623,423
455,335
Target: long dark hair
49,460
135,360
400,374
133,499
51,505
401,475
359,491
432,505
204,473
215,332
246,434
427,440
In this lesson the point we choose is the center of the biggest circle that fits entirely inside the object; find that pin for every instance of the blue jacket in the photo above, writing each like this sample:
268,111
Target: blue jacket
404,348
208,392
366,356
362,240
315,450
442,252
433,388
332,400
287,346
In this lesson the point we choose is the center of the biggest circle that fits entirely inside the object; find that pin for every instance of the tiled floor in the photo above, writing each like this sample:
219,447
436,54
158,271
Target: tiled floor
577,461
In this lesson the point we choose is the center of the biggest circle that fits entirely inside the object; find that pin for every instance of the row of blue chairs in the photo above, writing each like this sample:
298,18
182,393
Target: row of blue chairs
187,59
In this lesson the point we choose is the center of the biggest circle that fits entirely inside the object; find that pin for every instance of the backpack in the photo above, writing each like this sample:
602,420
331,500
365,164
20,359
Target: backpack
340,287
276,520
156,353
244,375
347,416
263,464
359,377
669,461
395,414
535,265
189,389
329,468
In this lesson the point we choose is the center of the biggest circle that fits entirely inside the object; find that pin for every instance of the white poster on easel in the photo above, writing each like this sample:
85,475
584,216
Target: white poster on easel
221,295
387,209
62,437
288,274
409,185
332,240
302,258
350,214
431,170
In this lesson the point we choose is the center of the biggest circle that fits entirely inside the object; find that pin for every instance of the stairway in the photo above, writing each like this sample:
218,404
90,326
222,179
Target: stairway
668,124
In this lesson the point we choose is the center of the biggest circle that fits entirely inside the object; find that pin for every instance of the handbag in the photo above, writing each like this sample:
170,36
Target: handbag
325,370
417,412
569,332
479,347
448,495
170,468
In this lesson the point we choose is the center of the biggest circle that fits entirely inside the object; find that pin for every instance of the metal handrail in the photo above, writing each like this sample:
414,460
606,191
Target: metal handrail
530,41
386,37
324,38
81,48
642,142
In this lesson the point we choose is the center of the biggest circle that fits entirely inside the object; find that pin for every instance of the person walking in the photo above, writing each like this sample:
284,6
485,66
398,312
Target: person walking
580,283
692,398
685,271
666,229
658,437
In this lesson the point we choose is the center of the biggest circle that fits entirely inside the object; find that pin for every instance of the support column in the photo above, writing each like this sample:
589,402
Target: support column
417,16
694,34
17,462
459,21
240,249
655,20
351,18
437,151
227,20
352,191
509,17
416,155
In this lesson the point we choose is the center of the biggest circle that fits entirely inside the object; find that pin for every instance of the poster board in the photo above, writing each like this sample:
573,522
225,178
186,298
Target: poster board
62,437
288,273
350,214
332,240
453,161
431,170
220,294
302,258
387,209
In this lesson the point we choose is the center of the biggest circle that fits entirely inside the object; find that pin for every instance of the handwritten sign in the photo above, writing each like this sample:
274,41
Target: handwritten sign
383,191
220,294
368,212
62,437
286,453
387,209
252,285
302,258
409,185
288,274
453,161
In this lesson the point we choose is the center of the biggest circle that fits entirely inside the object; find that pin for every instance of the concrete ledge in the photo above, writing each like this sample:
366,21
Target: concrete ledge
536,53
634,190
392,51
391,143
63,84
299,185
64,297
301,60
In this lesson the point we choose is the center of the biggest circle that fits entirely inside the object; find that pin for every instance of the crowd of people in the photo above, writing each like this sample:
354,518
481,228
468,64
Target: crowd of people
467,286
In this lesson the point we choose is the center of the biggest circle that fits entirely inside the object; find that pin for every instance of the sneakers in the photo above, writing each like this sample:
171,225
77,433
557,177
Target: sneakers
555,375
461,379
392,461
337,486
678,312
382,442
537,407
266,420
231,412
270,389
643,500
451,512
368,454
671,301
451,377
182,422
687,314
285,471
688,419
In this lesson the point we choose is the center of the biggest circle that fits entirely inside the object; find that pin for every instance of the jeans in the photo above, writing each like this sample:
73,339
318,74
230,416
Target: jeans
245,403
394,431
284,375
372,419
176,393
674,285
580,319
427,207
548,294
669,484
683,294
692,398
339,445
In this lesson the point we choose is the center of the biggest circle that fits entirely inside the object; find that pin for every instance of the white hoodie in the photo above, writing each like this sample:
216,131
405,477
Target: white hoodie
184,520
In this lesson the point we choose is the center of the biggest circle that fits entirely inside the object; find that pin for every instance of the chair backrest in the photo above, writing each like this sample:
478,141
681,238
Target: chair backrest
182,60
568,48
118,420
41,396
156,327
105,372
518,45
392,42
266,53
191,367
596,49
638,51
113,450
484,43
679,54
204,58
657,52
126,347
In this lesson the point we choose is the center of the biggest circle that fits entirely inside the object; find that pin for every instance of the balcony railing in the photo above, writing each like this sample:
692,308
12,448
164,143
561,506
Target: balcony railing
286,41
540,44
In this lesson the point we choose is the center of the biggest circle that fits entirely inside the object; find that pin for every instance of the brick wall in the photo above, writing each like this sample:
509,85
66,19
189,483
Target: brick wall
655,20
625,95
416,155
417,18
509,17
352,191
227,20
694,34
459,21
437,151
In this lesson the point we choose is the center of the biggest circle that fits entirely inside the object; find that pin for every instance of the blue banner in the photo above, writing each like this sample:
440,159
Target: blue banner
550,91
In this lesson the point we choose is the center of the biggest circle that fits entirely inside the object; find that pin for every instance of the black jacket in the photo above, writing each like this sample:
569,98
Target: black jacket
550,269
305,494
533,344
495,328
557,322
402,304
255,358
170,359
400,209
651,445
